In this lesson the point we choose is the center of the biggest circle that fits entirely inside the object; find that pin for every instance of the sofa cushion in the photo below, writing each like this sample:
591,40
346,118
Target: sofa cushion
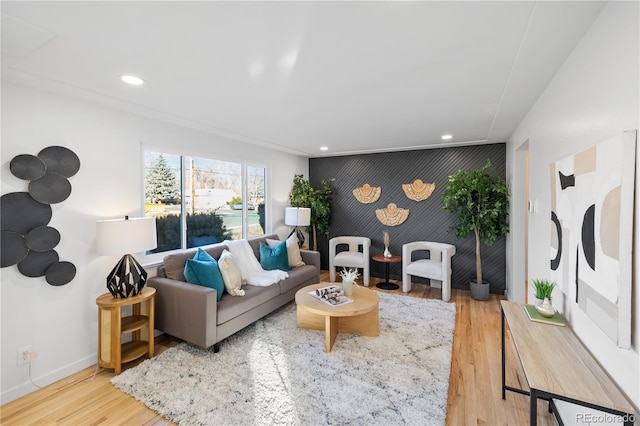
230,274
203,270
297,276
293,250
231,307
174,263
274,258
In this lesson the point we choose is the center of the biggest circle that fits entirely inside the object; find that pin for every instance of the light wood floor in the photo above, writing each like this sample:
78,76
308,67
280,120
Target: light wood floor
474,385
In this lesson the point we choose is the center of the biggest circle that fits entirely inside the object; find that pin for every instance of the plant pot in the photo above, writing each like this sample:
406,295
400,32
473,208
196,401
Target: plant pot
347,286
479,291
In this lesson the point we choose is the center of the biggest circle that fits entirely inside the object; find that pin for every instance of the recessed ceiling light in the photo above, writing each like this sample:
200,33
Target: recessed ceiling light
446,137
132,79
324,148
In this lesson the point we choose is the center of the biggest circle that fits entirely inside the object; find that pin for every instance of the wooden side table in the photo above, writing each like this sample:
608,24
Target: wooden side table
386,285
111,326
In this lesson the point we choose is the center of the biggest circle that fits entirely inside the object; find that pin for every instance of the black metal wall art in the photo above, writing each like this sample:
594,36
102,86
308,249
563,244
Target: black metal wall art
26,240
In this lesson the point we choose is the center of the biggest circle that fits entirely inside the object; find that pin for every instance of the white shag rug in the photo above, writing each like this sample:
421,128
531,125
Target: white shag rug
273,373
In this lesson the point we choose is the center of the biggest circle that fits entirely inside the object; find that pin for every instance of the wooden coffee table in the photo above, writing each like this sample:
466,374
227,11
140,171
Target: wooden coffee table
359,317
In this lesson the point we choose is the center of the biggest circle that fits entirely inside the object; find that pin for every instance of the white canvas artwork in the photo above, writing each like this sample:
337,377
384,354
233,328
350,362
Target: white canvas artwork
592,196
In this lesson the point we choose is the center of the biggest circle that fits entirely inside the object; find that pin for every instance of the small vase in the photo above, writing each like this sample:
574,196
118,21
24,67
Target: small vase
347,286
545,309
387,253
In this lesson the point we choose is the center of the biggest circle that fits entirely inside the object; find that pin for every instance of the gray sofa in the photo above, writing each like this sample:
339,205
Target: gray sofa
192,313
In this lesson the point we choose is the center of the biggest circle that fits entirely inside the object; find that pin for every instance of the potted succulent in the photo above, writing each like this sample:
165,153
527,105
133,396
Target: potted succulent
543,289
481,202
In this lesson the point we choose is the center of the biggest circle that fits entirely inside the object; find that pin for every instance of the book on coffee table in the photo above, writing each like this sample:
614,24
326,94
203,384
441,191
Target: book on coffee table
331,295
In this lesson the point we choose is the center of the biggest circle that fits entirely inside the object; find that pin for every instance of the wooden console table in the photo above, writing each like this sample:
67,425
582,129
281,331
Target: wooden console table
558,366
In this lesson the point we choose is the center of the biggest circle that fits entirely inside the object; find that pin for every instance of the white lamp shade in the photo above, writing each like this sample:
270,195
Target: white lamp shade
297,216
125,236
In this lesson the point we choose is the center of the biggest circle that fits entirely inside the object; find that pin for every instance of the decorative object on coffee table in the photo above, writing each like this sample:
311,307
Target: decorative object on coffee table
349,277
126,235
367,194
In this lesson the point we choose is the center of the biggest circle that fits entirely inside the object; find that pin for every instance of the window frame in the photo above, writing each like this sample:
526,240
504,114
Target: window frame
156,258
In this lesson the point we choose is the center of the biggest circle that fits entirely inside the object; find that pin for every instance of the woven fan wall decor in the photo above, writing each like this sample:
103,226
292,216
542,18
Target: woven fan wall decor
367,194
418,190
392,215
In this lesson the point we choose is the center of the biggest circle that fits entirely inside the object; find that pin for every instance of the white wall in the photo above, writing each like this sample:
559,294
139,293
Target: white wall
61,322
593,97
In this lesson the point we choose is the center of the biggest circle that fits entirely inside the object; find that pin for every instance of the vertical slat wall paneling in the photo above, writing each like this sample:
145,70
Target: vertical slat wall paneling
427,221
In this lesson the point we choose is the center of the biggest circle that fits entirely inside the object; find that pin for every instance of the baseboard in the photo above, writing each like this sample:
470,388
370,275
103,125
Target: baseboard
27,387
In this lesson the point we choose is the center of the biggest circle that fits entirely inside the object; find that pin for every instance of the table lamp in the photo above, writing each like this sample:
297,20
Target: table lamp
126,235
296,217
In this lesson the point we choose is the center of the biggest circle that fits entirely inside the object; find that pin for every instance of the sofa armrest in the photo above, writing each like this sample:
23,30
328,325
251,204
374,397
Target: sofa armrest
185,310
311,257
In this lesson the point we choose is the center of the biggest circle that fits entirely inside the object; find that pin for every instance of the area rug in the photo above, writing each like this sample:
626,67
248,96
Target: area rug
273,373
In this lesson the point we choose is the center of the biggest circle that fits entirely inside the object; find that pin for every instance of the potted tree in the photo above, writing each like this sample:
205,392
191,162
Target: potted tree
481,201
318,199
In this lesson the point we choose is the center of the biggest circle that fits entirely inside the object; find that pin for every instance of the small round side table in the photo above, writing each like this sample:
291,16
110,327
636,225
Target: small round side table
386,285
111,326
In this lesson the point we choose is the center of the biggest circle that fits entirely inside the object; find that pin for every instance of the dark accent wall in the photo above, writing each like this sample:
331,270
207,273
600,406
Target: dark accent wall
427,221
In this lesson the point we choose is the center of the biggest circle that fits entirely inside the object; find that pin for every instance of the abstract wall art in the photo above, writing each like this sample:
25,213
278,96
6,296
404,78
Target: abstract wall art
26,240
592,199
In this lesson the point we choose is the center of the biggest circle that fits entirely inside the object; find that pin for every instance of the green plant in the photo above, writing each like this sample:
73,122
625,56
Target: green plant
544,288
319,200
481,202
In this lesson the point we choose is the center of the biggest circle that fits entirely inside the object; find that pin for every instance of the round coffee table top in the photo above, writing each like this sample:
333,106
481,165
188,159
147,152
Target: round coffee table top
364,300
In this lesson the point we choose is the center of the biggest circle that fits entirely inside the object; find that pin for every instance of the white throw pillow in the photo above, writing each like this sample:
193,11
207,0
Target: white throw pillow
293,250
230,274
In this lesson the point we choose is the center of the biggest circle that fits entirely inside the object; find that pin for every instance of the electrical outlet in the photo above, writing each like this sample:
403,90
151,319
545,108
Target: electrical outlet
23,355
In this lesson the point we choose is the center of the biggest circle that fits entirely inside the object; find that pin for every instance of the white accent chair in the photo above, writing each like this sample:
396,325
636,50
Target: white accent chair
437,268
352,258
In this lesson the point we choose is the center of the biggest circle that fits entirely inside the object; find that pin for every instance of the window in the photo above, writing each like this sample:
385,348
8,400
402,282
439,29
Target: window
199,201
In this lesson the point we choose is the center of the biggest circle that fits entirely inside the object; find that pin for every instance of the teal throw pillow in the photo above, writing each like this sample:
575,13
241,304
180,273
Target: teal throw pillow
274,257
205,272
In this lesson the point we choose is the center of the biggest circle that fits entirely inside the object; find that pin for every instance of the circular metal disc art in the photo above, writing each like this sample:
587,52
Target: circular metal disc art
20,213
27,167
13,248
60,273
61,160
43,238
36,264
51,188
26,239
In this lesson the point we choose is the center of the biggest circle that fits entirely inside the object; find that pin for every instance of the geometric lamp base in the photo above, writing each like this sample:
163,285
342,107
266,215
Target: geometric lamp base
127,278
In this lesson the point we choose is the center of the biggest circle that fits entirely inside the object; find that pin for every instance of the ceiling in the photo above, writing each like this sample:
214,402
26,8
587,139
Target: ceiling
355,77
